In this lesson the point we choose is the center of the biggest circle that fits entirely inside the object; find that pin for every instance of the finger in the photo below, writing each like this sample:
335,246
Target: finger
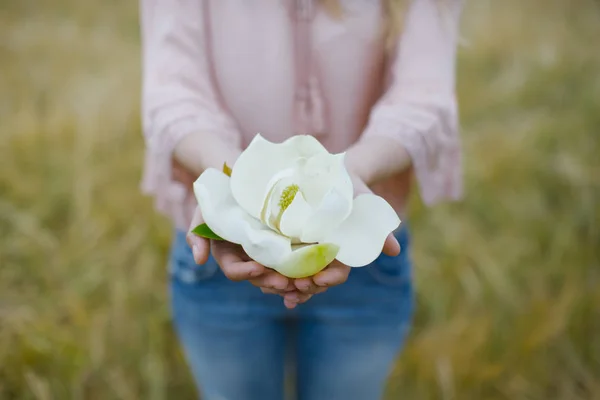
300,299
272,280
320,290
291,300
230,258
271,291
305,285
241,270
335,274
314,289
305,299
391,247
290,287
297,297
200,246
289,304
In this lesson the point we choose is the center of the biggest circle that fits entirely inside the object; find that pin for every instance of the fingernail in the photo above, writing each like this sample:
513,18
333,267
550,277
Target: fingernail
254,272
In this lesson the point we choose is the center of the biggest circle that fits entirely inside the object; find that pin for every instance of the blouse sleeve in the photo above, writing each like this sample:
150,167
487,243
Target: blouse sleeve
178,96
419,108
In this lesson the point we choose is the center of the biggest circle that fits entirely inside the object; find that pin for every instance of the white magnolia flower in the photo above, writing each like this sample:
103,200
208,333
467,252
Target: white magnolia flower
291,207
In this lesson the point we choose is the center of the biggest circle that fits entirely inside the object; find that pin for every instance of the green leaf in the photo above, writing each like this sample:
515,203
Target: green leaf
226,169
205,232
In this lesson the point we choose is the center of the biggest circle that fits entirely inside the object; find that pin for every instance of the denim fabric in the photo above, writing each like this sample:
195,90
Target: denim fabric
341,344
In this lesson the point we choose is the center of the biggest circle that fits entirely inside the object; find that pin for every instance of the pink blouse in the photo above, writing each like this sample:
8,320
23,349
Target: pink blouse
286,67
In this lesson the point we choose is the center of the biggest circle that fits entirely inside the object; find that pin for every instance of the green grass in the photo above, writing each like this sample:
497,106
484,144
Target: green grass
508,280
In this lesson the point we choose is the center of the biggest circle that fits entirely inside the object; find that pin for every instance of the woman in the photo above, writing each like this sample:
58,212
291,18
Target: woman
218,72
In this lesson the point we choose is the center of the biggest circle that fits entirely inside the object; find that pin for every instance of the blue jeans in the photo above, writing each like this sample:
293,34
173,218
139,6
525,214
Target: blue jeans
340,345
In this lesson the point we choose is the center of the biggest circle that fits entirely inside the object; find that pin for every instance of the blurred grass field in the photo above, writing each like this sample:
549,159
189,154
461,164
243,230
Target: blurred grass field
508,279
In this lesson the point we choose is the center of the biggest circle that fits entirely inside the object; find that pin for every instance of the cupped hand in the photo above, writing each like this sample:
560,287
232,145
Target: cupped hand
231,258
237,266
235,263
337,273
334,274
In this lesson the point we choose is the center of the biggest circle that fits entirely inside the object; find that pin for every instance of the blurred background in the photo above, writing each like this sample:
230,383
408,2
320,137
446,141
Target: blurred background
508,280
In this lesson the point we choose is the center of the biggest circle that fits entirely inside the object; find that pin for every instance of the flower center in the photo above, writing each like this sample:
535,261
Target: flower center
279,198
287,196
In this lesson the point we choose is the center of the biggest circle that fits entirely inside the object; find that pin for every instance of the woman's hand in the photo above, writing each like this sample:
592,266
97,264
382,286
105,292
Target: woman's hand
231,258
235,263
237,266
337,273
192,155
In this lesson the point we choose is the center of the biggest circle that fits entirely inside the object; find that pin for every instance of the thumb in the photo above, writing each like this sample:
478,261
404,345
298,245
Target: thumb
391,247
200,246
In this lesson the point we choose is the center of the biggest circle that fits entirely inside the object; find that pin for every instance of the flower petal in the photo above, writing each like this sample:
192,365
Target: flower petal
295,216
327,187
228,220
307,260
362,235
279,198
266,247
332,211
219,210
254,170
319,174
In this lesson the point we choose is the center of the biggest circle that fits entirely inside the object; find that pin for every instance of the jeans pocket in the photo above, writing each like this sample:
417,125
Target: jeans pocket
391,270
182,265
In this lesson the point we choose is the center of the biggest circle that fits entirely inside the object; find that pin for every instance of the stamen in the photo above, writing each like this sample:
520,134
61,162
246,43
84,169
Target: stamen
287,196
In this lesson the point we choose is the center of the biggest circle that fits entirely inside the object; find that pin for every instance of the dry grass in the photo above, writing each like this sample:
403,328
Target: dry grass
509,279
